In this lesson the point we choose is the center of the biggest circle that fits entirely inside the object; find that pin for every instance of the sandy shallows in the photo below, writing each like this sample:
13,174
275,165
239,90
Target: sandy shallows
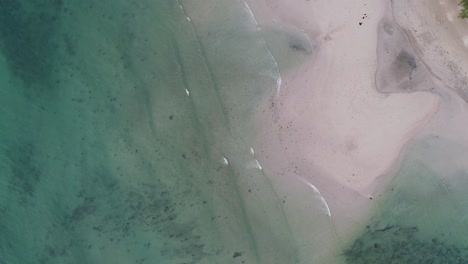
329,129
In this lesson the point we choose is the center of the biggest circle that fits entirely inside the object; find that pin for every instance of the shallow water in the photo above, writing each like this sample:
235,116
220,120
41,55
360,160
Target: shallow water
422,218
125,130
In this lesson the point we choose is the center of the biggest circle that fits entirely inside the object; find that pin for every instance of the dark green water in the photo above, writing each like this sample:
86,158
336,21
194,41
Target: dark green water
104,155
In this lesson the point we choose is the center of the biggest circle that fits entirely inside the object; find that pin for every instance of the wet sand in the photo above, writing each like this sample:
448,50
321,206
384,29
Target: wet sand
331,127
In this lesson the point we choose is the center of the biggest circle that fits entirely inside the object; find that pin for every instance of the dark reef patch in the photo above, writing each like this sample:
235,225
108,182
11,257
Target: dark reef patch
394,244
147,208
25,173
26,37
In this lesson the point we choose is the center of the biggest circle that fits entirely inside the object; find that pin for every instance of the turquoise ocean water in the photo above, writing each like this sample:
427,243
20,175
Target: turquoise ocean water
422,215
125,130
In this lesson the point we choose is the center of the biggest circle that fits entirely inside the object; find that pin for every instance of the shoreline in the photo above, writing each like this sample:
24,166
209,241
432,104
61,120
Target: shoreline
329,125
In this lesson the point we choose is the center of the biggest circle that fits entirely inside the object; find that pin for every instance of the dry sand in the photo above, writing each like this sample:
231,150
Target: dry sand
329,128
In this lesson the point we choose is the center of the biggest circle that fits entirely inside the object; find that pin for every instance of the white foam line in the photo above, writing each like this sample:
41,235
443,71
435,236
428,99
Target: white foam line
254,165
282,29
278,79
443,183
328,212
308,39
225,161
252,152
258,165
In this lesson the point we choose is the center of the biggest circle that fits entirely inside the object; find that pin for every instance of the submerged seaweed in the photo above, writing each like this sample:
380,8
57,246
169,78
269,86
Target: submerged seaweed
396,244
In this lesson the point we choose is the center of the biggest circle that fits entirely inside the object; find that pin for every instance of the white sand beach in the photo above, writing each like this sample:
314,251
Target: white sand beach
329,125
